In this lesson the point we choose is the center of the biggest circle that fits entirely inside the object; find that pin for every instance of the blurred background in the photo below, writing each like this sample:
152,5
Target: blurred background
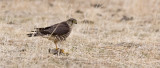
109,33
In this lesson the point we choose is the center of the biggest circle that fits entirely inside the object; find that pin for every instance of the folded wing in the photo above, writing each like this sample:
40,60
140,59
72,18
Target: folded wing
57,29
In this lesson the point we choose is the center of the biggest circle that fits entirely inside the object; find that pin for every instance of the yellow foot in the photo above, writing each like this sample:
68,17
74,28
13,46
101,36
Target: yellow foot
62,52
58,51
57,48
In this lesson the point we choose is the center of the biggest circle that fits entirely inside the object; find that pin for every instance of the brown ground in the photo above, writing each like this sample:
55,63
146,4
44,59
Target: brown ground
109,33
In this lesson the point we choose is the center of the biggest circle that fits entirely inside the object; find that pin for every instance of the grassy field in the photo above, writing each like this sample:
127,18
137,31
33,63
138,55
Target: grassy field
109,33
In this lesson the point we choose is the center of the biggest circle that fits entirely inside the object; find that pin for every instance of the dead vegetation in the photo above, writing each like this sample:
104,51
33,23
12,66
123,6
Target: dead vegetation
110,33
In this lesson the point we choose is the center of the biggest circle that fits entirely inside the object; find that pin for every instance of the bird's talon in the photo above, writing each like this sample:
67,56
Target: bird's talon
57,48
59,51
62,51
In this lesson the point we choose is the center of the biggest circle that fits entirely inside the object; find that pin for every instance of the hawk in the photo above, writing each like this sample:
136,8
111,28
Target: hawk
56,33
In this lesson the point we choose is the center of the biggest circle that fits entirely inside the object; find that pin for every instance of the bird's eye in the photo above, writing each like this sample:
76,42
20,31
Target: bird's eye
74,21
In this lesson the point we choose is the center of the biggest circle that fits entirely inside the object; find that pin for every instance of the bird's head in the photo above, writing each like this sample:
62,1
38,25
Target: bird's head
71,21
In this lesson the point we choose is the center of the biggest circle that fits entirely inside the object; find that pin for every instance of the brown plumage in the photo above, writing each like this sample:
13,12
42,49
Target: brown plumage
57,32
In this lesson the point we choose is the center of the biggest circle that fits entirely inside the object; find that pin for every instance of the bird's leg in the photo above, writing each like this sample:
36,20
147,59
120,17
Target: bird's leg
59,50
63,52
55,42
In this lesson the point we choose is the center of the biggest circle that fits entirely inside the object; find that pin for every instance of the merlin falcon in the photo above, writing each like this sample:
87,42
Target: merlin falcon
56,33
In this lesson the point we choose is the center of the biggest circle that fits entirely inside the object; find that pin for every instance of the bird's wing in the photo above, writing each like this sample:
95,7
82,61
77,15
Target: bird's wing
57,29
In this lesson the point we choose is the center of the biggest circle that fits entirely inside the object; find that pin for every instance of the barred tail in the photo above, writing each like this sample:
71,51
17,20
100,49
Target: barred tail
37,32
32,34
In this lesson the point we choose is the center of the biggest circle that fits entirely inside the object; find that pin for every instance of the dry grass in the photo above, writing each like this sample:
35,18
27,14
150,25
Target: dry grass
122,33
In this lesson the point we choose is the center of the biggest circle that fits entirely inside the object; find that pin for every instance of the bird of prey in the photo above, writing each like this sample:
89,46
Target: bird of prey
56,33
